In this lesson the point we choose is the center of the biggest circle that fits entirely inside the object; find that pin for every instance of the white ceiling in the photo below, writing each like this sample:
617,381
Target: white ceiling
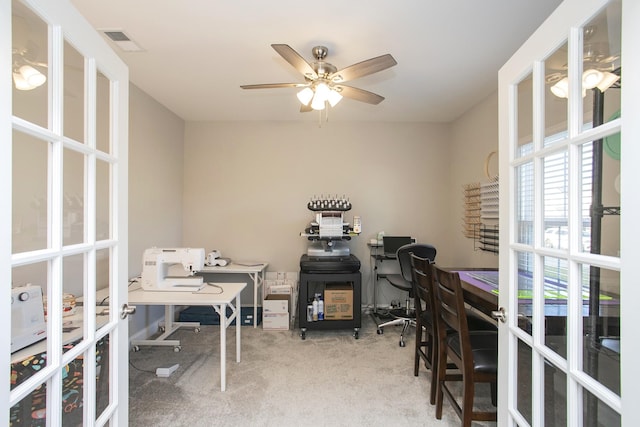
197,53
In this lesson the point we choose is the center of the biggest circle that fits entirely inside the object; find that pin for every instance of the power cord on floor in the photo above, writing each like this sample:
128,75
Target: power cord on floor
141,370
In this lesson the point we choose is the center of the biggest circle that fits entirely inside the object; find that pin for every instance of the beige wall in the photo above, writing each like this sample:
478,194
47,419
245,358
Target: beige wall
155,186
247,185
474,136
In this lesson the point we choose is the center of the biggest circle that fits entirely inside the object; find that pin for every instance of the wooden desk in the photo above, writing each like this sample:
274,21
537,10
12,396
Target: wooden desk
478,294
220,296
255,272
484,296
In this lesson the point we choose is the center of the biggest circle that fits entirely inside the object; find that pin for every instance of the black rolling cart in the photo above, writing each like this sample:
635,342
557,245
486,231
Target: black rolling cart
328,270
322,281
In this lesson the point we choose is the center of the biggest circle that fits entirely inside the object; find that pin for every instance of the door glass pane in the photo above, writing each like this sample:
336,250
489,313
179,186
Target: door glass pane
555,96
525,116
555,304
556,200
596,413
600,196
525,290
524,207
74,94
72,390
103,285
29,193
555,396
28,311
29,65
103,105
103,352
73,288
601,66
73,206
103,195
524,383
601,310
32,409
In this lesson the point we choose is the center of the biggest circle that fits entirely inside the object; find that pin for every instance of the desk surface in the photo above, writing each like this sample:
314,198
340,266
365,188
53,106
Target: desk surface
74,326
214,293
481,289
236,268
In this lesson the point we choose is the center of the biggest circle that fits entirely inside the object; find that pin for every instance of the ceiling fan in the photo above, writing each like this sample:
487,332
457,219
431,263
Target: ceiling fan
324,82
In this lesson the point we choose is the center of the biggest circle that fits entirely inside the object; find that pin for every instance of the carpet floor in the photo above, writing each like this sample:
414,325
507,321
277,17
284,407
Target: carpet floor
328,379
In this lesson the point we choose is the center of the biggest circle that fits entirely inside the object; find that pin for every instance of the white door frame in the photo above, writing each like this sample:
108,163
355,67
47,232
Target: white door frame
561,25
66,23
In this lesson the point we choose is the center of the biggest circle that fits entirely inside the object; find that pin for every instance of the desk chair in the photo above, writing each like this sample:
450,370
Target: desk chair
474,353
404,281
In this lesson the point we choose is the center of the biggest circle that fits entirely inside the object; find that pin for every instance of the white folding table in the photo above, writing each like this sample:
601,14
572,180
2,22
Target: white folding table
219,296
255,272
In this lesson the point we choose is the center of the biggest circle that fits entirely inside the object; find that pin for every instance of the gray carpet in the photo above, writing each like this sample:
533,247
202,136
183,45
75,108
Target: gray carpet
329,379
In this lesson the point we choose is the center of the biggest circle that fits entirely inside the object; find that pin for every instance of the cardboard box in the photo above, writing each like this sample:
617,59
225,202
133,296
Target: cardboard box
275,321
338,302
275,312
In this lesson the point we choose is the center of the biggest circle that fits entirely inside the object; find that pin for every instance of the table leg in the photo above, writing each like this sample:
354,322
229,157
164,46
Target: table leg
223,347
238,328
254,276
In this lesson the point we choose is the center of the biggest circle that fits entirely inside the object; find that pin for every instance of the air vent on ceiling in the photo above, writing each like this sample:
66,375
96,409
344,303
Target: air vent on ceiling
120,39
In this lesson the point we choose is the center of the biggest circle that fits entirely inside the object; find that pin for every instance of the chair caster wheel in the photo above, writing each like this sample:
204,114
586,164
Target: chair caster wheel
161,328
177,349
196,330
402,344
135,348
380,331
356,334
303,335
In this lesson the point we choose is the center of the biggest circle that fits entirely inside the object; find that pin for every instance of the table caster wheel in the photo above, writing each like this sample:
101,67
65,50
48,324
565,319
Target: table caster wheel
177,349
303,335
380,331
135,348
196,330
402,344
356,335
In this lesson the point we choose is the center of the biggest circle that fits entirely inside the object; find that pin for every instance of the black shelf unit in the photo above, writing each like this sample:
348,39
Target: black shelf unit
310,283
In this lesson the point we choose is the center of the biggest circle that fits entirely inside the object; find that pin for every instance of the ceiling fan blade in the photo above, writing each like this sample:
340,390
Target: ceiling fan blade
273,85
294,58
363,68
359,94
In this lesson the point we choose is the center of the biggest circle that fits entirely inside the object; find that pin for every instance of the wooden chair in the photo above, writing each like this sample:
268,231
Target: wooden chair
426,347
474,353
425,321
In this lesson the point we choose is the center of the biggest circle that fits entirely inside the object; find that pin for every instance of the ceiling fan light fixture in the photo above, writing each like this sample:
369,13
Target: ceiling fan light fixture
322,91
318,103
334,97
608,79
591,78
305,96
20,83
33,77
561,88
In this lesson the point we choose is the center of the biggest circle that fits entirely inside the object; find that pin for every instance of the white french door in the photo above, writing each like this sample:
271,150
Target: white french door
568,204
63,178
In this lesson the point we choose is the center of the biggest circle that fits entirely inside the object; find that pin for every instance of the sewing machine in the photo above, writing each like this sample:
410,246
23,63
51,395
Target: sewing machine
157,263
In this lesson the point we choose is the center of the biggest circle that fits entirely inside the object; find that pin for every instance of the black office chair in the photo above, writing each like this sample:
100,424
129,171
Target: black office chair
406,316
